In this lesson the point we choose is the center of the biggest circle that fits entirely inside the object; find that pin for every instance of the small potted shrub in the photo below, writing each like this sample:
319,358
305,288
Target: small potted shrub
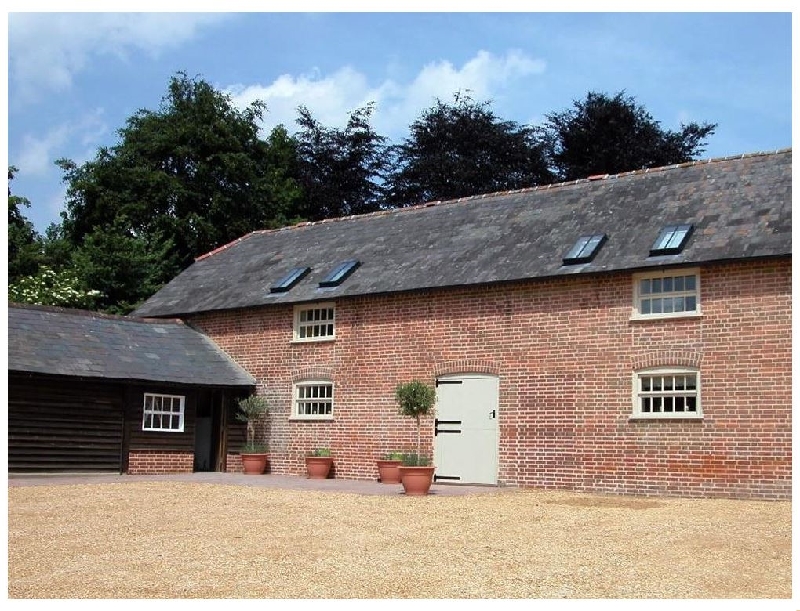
389,468
416,399
254,454
318,463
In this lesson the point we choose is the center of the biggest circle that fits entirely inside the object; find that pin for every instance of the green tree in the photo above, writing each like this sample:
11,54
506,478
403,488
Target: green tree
607,135
182,180
461,149
341,169
24,243
129,268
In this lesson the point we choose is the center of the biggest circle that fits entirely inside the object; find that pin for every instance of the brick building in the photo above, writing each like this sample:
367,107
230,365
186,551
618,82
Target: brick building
625,334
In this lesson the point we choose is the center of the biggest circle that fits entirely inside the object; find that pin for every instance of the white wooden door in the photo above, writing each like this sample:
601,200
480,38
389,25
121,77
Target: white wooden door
466,432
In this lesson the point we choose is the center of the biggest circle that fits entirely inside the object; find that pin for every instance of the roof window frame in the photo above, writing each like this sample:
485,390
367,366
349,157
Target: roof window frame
672,239
340,273
290,280
585,249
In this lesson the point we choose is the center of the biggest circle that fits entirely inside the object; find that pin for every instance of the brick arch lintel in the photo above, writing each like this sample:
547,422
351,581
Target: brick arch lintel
667,358
466,366
312,372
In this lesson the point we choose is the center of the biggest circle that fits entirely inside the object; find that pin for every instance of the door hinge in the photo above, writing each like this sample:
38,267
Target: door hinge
437,430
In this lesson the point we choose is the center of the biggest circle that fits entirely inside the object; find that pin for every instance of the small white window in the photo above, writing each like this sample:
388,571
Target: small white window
315,323
163,413
313,400
666,294
666,393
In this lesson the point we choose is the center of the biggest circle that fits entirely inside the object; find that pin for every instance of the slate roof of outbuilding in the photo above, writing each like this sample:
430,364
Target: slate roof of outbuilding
740,208
59,341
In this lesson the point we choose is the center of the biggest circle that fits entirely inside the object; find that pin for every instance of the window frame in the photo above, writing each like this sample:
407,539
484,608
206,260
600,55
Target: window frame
298,324
153,412
671,273
638,394
296,399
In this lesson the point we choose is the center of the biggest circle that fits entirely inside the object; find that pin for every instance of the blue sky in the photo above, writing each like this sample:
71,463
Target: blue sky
74,78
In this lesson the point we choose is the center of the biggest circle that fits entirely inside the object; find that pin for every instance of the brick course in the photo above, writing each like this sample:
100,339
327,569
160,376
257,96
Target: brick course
565,351
159,462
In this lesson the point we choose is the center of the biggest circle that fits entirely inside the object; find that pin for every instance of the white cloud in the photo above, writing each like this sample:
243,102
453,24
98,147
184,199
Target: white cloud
34,155
46,50
331,97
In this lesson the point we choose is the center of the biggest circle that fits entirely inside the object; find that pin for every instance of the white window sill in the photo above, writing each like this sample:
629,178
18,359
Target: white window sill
661,418
316,340
658,317
311,418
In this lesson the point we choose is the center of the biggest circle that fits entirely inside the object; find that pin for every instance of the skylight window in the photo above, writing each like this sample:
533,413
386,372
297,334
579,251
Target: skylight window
671,240
585,249
340,273
289,280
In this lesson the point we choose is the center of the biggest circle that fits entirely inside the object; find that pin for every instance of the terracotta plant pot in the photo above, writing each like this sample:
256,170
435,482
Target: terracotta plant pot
388,471
318,467
254,464
416,480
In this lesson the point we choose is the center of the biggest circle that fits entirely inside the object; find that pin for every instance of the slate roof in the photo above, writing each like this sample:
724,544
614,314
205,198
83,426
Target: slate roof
740,208
58,341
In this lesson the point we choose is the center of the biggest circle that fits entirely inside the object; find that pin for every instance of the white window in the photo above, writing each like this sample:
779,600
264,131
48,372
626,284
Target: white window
313,400
666,393
667,294
314,323
163,413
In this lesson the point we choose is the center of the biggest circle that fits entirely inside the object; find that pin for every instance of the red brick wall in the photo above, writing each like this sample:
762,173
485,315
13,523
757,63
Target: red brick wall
155,462
565,351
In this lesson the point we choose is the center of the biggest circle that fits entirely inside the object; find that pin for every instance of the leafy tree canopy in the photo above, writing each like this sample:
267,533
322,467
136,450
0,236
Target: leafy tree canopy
608,135
24,248
341,170
194,173
461,149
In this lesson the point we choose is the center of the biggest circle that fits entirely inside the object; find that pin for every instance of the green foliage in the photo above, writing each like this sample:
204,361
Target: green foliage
462,149
56,288
415,399
24,244
182,180
250,409
394,455
608,135
254,448
320,452
341,170
415,460
130,268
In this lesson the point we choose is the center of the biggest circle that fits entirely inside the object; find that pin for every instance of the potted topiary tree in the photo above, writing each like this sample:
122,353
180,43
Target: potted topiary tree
254,454
416,399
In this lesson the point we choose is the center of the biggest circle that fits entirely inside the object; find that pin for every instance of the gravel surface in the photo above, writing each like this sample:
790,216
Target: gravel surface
180,540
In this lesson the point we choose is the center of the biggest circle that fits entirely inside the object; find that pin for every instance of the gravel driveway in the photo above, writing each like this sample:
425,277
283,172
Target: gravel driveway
193,540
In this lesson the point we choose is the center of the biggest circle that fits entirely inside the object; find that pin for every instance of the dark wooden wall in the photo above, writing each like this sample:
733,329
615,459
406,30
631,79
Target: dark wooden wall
63,425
